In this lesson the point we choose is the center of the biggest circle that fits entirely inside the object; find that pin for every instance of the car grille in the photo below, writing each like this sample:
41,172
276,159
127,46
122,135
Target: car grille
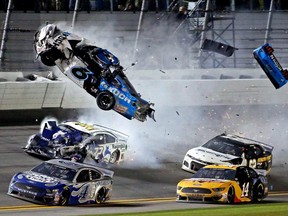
196,166
196,190
31,189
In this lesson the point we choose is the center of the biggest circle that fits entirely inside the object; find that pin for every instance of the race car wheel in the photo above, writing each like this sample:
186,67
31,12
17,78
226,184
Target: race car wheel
231,195
64,199
114,157
258,193
100,197
49,57
105,100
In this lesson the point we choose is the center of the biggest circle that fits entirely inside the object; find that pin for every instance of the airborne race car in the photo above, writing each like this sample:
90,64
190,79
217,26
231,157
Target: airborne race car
228,149
90,68
76,141
222,183
270,65
62,182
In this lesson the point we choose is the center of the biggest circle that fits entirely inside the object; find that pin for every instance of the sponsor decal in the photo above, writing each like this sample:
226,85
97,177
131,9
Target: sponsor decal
277,65
116,146
40,178
120,109
116,92
217,155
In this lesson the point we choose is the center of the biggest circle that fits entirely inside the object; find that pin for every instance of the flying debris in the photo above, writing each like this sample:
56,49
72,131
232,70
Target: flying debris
218,47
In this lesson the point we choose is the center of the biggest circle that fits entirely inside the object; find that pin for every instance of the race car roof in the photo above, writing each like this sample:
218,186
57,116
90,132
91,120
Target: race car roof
77,166
92,128
246,141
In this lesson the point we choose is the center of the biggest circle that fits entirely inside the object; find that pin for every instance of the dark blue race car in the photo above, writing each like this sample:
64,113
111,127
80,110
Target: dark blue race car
62,182
269,63
95,69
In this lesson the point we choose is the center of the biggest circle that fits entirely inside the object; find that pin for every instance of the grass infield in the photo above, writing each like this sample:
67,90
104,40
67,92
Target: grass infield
275,209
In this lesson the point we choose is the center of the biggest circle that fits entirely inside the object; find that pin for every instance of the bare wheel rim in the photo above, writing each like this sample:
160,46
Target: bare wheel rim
113,157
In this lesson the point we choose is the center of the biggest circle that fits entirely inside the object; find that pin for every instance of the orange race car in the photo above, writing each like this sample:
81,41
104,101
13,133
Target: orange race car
222,183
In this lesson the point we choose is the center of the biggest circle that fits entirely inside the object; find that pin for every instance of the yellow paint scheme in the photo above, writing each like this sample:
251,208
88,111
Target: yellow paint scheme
209,185
264,159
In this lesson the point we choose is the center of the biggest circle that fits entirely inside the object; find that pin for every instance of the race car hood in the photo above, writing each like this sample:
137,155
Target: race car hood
203,183
210,156
32,178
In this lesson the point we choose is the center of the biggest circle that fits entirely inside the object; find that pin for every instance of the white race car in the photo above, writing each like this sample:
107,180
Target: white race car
77,140
226,149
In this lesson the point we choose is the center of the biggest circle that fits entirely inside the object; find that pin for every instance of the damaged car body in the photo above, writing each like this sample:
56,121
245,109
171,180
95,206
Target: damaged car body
95,69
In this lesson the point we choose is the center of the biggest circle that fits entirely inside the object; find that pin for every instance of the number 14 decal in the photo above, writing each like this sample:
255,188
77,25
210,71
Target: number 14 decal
245,189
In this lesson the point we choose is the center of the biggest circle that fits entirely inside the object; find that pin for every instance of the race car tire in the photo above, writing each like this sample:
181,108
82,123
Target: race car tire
64,199
230,195
105,100
114,157
100,196
49,57
258,193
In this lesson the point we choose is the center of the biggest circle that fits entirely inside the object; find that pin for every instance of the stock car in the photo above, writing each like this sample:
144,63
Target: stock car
90,67
229,149
222,183
62,182
270,65
73,139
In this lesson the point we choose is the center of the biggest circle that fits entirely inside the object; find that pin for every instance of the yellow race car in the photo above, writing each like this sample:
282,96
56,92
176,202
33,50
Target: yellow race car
223,183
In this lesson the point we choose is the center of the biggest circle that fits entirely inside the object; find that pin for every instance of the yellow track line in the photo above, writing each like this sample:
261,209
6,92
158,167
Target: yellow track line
167,199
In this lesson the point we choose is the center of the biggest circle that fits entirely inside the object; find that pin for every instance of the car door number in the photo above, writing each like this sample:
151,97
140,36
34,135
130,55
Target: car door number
245,189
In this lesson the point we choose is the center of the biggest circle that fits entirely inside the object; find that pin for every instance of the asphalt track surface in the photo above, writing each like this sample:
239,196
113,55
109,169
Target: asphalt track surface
138,186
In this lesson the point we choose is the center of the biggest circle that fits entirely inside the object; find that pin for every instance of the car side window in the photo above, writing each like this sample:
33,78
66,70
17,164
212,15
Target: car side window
258,151
99,139
83,176
110,139
252,173
95,175
241,174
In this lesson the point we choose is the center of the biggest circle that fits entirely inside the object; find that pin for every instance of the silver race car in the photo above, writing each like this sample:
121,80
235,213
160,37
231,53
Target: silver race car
77,141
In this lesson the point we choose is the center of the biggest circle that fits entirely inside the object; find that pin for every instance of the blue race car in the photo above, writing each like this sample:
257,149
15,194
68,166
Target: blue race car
95,69
62,182
269,63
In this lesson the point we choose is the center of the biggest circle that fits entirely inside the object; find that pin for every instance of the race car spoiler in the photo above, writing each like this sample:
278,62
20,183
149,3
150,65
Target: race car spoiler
270,65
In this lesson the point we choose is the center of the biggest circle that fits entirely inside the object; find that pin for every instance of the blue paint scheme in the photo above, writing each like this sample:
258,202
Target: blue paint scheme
268,62
49,186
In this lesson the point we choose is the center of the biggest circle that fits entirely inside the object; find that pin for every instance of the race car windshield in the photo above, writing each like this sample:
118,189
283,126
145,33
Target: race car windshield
224,146
66,128
55,171
226,174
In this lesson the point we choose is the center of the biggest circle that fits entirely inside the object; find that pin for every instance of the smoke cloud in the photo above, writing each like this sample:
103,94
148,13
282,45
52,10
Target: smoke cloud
180,128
